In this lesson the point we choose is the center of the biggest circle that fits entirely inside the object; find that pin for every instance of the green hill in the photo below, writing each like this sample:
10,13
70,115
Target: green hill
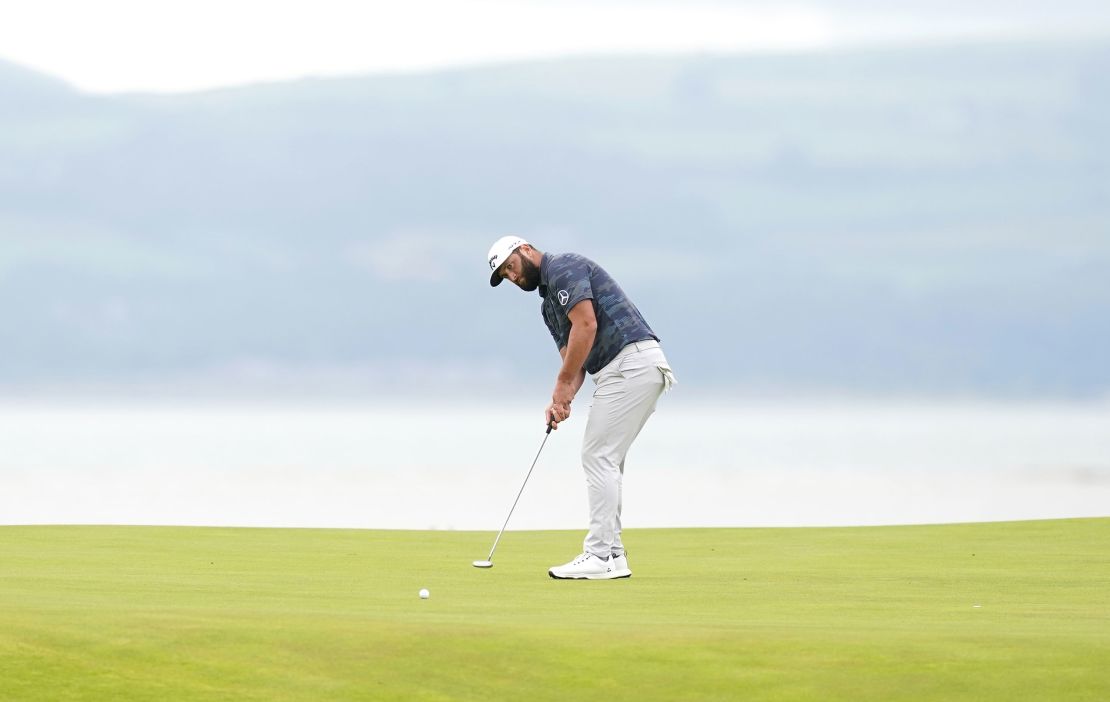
912,221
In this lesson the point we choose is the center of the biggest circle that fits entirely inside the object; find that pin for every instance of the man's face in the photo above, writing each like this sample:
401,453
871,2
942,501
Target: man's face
520,271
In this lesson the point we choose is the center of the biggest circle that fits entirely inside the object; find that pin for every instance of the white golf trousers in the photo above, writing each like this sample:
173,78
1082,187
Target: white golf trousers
624,397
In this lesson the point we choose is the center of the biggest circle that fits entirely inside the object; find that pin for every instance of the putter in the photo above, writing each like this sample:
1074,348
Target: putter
488,563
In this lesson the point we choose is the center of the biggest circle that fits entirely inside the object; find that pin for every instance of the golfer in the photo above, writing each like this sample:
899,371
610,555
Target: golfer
598,331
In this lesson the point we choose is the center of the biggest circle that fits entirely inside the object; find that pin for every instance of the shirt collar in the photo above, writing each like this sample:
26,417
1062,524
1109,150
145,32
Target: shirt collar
543,275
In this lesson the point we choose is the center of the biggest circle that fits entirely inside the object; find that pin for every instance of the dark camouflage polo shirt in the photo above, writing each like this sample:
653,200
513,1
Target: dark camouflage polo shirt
567,279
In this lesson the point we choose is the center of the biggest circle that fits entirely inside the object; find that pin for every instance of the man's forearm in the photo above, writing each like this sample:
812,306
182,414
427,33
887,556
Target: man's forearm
583,330
577,384
574,357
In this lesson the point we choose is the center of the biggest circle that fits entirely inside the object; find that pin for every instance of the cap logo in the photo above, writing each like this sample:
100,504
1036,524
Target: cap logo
493,263
564,297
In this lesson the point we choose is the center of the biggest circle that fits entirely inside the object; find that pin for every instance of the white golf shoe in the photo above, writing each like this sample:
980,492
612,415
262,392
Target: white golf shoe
587,566
620,566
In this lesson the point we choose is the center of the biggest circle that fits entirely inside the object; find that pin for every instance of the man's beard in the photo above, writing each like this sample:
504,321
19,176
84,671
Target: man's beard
530,275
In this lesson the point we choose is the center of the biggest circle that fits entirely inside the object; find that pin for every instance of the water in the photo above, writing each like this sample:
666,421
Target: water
456,467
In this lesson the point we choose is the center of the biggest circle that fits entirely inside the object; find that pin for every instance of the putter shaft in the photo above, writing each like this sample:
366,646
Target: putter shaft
518,494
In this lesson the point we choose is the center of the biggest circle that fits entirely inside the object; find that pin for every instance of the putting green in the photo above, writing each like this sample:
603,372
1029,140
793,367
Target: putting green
1007,611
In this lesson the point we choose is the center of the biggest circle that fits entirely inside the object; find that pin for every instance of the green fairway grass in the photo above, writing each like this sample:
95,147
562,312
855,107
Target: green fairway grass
1007,611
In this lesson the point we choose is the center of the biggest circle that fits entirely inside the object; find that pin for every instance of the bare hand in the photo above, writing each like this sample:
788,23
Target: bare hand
559,409
556,414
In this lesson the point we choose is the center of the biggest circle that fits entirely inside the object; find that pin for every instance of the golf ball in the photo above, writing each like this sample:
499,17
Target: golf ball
424,594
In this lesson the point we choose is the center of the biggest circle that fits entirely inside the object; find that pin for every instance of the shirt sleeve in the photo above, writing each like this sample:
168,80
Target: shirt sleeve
572,285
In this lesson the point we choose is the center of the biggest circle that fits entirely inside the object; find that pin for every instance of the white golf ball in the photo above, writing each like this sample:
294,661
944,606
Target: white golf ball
424,594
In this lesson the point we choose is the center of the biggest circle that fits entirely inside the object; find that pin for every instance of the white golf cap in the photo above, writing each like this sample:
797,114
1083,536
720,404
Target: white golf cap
499,253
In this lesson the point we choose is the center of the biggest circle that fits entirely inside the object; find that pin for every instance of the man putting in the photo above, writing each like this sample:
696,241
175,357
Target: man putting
598,331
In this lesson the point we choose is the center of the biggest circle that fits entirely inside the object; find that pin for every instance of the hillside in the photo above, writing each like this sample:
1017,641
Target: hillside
926,221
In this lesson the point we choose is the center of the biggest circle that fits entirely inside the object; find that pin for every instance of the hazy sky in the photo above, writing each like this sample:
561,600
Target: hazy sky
181,45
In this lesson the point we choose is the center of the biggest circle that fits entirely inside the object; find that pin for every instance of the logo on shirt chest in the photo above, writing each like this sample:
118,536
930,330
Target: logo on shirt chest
564,297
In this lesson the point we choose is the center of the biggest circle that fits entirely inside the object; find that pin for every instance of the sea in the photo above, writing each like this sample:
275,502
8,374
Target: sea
456,466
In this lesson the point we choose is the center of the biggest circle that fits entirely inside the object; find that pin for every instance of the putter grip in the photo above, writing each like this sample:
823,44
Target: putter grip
549,425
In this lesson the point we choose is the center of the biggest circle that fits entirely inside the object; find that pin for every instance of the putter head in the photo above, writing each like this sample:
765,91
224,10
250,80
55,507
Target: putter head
483,564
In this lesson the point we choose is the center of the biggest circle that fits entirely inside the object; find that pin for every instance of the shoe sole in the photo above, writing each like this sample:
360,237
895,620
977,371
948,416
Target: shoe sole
598,576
